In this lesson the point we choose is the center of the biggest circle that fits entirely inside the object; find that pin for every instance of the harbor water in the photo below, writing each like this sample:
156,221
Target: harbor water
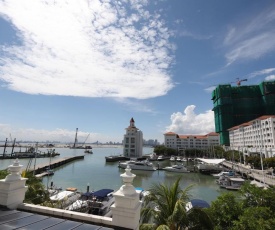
95,172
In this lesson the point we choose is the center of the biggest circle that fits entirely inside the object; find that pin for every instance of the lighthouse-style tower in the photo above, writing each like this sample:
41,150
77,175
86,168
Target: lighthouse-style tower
133,141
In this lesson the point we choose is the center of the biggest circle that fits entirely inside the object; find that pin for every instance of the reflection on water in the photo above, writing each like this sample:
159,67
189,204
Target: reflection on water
100,174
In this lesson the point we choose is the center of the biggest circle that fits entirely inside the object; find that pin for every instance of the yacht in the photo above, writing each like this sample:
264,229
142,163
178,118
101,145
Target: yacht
101,202
210,166
161,158
64,198
178,158
196,203
153,157
138,165
81,205
218,175
172,158
176,168
230,182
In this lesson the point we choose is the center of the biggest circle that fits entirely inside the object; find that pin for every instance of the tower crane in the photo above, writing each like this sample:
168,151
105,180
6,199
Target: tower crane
238,82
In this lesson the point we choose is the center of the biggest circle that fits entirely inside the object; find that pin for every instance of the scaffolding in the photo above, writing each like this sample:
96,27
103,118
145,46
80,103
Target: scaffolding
236,105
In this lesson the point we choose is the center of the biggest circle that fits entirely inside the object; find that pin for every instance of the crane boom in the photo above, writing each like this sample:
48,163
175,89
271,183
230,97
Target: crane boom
86,139
238,82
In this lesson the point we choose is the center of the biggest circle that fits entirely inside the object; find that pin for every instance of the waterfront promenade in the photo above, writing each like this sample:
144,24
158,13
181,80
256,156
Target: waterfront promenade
263,176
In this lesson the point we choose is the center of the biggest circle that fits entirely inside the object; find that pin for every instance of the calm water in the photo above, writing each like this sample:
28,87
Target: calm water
100,174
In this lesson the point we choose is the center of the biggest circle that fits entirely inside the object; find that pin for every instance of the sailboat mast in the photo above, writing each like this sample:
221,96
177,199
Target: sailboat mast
75,140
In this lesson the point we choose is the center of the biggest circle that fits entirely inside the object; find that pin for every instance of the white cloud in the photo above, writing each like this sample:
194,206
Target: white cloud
210,89
136,105
270,78
186,33
251,40
191,123
261,72
42,135
87,48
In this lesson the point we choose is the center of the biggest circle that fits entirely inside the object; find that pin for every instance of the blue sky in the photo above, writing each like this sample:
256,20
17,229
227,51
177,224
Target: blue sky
93,65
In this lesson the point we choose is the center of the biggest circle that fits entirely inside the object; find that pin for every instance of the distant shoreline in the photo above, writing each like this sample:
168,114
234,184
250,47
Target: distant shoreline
59,146
63,146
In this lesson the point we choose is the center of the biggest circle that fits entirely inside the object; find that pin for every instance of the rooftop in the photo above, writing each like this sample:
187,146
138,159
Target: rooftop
14,219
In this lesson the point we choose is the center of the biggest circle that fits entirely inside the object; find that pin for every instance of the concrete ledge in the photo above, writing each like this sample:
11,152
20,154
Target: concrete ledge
65,214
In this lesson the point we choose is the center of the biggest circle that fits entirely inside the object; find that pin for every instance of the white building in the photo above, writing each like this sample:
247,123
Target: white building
254,136
133,141
181,142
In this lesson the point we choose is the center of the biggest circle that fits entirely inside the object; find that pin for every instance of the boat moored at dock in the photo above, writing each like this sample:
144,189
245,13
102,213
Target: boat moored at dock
114,158
209,166
64,198
230,182
176,168
138,165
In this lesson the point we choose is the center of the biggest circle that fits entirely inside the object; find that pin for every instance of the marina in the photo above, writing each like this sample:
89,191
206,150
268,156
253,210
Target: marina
73,169
98,173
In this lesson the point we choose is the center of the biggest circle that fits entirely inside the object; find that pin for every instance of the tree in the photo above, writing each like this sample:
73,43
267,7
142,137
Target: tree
36,192
164,208
162,150
254,196
260,218
225,210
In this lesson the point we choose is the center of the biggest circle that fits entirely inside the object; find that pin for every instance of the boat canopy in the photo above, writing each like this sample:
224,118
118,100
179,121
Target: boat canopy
211,161
199,203
102,193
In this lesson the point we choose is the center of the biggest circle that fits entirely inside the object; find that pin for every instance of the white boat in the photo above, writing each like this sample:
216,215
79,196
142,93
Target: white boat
138,165
153,157
230,183
222,173
64,198
178,158
81,205
172,158
142,193
101,202
161,158
210,166
183,159
176,168
78,206
196,203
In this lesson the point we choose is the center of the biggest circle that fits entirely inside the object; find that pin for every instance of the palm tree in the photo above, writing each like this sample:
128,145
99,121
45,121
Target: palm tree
164,208
36,192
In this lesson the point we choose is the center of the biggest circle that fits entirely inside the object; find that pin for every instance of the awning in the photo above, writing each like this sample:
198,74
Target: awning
211,161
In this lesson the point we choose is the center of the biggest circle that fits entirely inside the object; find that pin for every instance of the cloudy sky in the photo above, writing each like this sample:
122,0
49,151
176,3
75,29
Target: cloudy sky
94,64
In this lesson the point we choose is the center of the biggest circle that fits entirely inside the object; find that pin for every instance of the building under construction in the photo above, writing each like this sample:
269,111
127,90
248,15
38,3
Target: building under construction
234,105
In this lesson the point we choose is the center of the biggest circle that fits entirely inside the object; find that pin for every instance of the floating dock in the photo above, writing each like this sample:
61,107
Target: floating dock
41,168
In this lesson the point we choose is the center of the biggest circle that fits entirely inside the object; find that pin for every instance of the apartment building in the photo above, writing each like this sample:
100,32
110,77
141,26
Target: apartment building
181,142
258,135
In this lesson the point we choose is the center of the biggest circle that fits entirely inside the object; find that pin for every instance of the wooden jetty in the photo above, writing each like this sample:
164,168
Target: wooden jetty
41,168
265,176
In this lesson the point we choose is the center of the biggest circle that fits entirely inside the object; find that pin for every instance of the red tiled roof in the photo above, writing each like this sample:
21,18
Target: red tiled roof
264,117
212,134
170,133
190,136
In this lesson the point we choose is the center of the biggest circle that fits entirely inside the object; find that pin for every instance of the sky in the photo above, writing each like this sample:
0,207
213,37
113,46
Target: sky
95,64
